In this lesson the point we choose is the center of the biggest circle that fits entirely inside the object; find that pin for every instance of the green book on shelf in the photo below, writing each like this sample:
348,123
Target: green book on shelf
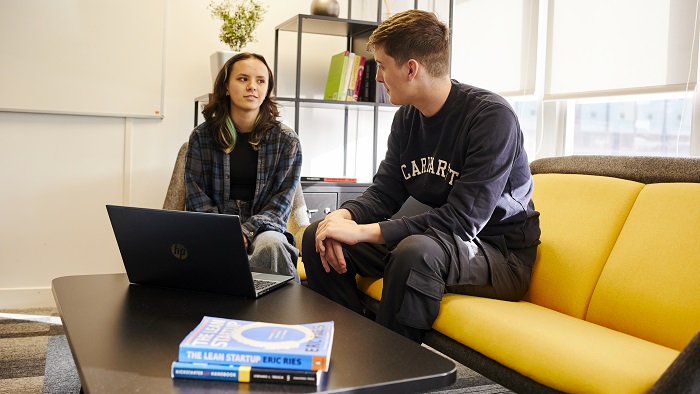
335,84
348,76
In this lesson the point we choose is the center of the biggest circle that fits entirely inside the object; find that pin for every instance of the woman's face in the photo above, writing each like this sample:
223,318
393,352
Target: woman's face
247,84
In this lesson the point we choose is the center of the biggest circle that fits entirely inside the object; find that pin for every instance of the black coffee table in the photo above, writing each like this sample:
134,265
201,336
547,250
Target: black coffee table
124,338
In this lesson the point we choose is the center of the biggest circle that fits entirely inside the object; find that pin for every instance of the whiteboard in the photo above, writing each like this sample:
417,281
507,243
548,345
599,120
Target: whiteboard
82,57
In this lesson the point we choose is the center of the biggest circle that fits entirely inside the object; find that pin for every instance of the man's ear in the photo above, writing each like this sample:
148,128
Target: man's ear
413,67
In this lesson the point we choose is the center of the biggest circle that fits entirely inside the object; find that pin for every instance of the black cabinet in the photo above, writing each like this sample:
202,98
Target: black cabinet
323,198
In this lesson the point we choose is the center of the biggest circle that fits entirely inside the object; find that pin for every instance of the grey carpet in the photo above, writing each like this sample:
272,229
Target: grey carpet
36,358
25,347
469,381
60,375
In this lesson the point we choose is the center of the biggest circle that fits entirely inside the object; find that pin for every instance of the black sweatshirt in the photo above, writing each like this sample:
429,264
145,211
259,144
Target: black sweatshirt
468,163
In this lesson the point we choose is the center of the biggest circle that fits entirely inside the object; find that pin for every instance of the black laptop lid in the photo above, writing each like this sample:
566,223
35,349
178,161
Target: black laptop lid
185,250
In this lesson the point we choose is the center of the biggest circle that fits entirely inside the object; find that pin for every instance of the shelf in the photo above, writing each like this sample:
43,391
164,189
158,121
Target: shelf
332,104
327,25
356,33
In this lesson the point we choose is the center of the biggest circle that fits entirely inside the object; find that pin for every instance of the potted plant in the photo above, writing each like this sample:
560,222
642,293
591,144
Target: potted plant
239,19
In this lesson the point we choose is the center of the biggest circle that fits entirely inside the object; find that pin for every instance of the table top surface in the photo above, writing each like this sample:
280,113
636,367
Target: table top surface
124,338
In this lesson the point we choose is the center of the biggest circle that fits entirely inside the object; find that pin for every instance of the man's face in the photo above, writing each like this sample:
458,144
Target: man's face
392,76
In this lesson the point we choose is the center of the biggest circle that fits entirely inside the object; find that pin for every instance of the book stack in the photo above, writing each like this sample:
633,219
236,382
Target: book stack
247,351
345,77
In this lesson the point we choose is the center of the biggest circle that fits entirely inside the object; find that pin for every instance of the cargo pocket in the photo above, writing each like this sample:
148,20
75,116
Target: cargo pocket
421,302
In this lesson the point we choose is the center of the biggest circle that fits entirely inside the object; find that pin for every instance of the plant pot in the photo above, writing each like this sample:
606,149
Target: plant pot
217,61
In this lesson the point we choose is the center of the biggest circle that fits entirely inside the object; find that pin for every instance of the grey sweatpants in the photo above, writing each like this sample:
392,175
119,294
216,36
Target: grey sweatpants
271,250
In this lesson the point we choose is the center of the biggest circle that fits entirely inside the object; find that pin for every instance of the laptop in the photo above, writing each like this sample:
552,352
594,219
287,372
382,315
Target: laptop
187,250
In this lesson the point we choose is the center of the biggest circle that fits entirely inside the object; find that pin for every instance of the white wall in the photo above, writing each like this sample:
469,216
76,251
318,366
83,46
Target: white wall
59,171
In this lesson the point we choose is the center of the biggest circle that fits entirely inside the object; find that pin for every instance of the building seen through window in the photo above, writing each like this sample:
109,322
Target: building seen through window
652,127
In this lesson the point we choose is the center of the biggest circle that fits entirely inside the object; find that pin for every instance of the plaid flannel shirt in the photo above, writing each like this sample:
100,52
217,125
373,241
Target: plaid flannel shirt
208,173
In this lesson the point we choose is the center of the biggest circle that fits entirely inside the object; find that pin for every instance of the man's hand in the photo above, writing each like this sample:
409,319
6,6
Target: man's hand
332,256
330,233
338,228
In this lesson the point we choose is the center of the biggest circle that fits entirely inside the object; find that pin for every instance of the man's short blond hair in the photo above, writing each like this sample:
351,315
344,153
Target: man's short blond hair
415,34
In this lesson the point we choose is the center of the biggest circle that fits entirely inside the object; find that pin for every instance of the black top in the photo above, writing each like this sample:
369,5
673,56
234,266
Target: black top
467,162
244,169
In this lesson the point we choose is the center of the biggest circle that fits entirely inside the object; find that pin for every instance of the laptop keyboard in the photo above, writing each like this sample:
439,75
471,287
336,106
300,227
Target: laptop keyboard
261,284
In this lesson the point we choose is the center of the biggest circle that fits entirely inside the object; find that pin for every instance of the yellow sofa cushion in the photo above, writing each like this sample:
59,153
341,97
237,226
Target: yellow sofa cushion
580,218
650,286
560,351
370,286
301,270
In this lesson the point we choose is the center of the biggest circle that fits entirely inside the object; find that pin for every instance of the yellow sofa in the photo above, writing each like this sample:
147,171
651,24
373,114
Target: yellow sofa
615,292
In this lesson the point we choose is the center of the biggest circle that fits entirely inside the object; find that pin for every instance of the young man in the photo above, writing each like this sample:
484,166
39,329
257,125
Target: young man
458,149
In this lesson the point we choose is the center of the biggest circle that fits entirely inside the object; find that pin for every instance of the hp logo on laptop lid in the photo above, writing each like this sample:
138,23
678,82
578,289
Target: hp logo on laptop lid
179,251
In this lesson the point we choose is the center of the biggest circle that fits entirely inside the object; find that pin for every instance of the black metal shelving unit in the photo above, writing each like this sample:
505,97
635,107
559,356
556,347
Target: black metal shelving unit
357,33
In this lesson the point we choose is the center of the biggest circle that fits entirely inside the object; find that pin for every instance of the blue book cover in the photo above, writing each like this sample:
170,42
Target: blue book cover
259,344
243,374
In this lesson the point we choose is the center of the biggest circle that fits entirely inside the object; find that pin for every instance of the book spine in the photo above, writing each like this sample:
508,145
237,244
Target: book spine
348,75
326,179
353,78
243,374
367,76
222,356
358,80
341,84
372,85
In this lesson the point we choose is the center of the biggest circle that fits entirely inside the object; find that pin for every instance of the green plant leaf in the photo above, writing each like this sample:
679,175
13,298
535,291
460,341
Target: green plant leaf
239,19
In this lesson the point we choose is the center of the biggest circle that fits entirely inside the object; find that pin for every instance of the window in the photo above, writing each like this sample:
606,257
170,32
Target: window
527,111
656,126
587,76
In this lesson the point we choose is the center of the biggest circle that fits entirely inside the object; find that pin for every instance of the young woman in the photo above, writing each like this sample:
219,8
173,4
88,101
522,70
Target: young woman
243,161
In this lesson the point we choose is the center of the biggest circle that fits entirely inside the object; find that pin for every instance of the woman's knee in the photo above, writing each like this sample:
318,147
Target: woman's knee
271,250
274,246
269,240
